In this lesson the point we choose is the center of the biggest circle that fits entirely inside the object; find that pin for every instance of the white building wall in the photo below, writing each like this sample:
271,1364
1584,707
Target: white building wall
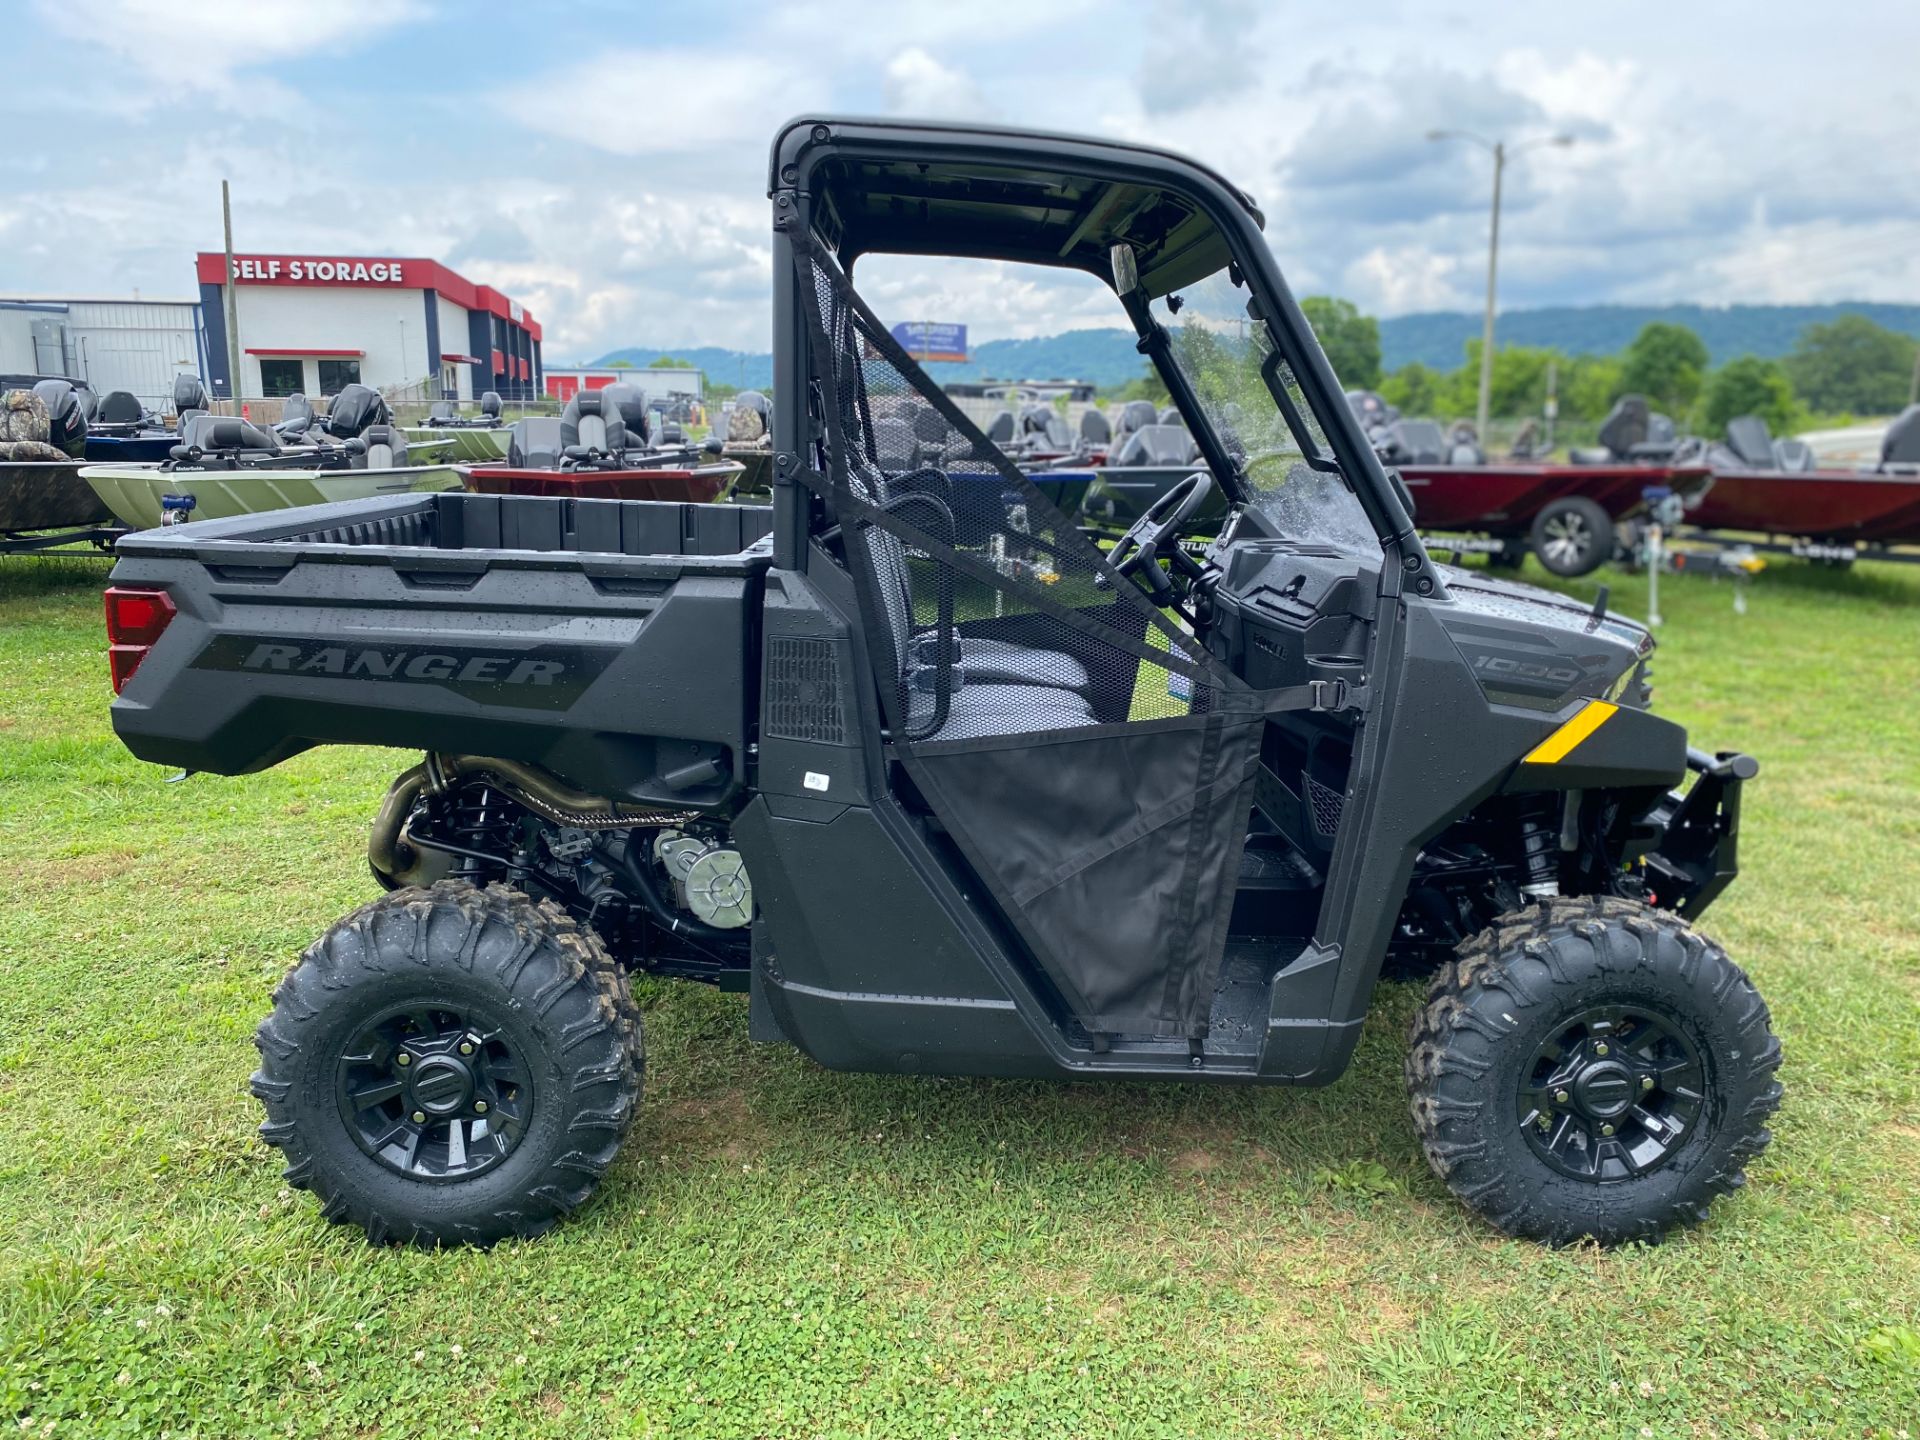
16,342
455,340
390,326
133,345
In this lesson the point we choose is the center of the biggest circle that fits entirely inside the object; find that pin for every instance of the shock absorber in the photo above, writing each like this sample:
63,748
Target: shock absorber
1540,856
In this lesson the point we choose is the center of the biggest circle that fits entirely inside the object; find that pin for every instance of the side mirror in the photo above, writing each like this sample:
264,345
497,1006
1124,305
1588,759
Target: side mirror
1126,269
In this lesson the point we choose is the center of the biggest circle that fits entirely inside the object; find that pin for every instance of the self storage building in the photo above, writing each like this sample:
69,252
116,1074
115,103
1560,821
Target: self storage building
316,323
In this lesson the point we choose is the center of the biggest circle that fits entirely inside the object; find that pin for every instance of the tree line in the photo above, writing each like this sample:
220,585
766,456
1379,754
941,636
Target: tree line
1848,367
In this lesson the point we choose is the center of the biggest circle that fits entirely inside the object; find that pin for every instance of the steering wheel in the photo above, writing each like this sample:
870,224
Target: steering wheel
1156,533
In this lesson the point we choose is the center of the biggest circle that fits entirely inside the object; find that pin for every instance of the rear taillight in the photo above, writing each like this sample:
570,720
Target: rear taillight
135,620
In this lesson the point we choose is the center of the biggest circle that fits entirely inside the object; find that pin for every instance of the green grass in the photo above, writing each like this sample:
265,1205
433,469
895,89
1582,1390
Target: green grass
785,1251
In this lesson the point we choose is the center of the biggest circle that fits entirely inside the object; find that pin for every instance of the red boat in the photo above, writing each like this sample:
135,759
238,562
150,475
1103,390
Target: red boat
1566,513
1760,486
699,484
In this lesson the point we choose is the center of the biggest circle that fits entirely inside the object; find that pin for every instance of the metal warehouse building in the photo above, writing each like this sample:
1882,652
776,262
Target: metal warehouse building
137,345
315,323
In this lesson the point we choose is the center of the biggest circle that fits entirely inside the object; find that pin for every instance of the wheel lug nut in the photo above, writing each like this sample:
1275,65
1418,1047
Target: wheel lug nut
466,1047
479,1107
1601,1048
1646,1082
1561,1096
1606,1129
403,1058
419,1117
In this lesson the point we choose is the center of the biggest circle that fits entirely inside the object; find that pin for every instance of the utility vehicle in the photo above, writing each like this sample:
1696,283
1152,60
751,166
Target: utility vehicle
947,789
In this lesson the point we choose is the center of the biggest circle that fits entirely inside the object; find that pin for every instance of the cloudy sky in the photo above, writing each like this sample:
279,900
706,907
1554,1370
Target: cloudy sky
608,168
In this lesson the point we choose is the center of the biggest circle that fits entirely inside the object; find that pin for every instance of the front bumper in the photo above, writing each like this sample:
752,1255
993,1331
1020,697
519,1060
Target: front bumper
1696,854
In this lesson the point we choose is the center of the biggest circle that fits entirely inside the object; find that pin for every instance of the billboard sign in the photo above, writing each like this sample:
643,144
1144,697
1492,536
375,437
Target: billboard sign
932,340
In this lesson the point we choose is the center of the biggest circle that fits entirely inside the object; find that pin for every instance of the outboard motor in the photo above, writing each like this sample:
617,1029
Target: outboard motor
188,394
354,409
89,401
1901,444
66,421
1371,410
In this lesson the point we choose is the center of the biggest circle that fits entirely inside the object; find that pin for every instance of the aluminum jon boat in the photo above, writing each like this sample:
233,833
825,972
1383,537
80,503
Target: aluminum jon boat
142,498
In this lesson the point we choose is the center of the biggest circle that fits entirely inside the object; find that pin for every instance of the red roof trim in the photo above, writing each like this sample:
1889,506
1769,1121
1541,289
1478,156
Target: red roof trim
446,355
211,267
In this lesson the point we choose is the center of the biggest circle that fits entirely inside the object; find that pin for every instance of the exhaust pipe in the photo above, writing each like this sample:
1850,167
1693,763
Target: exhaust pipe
397,863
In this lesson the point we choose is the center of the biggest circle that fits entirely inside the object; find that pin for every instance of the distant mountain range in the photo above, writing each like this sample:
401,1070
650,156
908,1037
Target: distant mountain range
1437,339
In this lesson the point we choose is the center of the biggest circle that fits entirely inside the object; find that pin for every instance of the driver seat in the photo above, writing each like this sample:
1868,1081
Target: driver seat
998,687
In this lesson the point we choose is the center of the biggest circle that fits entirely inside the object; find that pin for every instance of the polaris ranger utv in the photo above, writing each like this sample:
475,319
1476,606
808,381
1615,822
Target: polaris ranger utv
945,788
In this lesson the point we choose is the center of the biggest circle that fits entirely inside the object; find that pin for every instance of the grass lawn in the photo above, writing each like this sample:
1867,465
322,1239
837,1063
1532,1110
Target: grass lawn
785,1251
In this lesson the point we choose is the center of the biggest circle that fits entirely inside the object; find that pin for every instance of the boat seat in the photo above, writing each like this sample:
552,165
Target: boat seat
1794,455
1901,443
296,416
441,410
1154,445
207,433
1750,439
534,443
120,407
895,445
1590,455
490,404
1094,429
1000,428
1628,424
386,449
183,422
592,425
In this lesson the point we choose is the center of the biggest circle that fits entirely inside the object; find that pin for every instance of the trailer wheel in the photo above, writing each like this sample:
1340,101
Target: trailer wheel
1592,1068
450,1066
1572,536
1512,555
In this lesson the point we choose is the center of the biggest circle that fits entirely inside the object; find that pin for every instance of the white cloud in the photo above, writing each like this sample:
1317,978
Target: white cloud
917,84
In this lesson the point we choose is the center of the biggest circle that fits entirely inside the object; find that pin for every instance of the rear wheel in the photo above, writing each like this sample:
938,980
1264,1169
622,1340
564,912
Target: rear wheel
1572,536
450,1066
1592,1068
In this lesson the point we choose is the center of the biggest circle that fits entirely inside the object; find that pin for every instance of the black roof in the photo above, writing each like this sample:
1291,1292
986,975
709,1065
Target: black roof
918,187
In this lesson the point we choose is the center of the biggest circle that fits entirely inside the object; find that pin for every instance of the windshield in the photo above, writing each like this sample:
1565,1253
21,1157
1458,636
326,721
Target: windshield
1228,358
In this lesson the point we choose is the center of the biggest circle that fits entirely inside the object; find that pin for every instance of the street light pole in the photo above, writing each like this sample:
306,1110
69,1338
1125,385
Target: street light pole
1493,273
1498,149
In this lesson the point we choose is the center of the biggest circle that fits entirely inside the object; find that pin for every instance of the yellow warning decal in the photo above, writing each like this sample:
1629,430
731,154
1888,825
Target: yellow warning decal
1560,744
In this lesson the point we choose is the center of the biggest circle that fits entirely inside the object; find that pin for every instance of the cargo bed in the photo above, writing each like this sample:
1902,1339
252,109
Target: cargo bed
527,628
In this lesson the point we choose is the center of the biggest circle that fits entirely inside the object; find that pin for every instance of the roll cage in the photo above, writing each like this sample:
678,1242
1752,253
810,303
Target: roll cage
917,188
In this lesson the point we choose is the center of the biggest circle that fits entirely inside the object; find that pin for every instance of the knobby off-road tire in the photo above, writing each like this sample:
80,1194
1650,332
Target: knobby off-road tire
1681,1036
494,1018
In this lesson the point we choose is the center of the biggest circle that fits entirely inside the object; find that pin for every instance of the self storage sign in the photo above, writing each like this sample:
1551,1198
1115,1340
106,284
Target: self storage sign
307,270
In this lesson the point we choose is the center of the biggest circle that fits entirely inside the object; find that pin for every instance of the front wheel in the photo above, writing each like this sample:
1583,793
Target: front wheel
1592,1068
1572,536
450,1066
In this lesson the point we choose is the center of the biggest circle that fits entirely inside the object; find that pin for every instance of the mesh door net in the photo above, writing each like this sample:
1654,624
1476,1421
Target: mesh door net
1093,764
